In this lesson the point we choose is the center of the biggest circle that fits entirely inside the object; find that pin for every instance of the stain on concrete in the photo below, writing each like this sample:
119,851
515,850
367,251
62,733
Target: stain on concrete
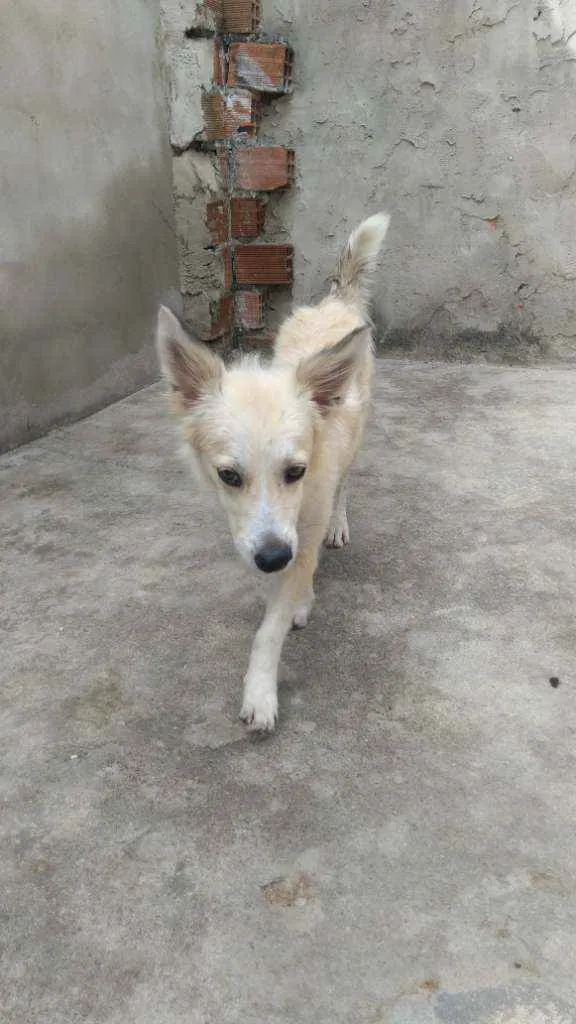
289,892
98,702
506,346
47,487
506,1005
429,985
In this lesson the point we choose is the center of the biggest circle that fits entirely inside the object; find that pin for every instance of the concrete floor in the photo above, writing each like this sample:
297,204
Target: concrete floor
403,850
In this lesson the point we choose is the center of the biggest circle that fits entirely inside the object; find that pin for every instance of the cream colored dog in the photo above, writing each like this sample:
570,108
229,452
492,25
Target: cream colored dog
276,442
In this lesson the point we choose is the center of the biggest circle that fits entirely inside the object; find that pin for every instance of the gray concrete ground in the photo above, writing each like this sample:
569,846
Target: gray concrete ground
403,850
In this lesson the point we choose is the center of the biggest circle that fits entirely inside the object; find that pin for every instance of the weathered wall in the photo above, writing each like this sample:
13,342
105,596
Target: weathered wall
188,68
87,238
460,118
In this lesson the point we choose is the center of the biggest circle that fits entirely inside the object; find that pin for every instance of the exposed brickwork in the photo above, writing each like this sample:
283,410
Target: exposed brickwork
217,221
220,64
263,168
242,16
266,67
243,71
222,317
196,21
256,168
225,168
228,268
229,112
249,310
247,217
266,264
258,339
240,217
212,11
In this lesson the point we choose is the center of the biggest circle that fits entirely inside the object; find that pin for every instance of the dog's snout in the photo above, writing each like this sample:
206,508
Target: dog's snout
273,556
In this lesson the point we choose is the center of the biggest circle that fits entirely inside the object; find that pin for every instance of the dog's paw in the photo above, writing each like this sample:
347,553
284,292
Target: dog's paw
302,613
259,708
338,533
300,619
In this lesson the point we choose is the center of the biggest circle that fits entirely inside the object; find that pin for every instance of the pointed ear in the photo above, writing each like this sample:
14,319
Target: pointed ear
189,366
327,372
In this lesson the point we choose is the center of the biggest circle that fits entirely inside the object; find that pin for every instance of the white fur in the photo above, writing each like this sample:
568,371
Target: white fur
307,408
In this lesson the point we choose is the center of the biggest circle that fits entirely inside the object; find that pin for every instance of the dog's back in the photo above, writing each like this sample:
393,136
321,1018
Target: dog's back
311,328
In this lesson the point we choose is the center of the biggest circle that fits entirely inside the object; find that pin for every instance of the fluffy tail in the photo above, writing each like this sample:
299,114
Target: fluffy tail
358,260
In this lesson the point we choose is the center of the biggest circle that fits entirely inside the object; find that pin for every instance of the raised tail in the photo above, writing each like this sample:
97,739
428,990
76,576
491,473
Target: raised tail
358,260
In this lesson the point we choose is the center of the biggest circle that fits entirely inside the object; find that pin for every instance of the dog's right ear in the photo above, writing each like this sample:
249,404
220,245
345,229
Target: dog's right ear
325,373
189,366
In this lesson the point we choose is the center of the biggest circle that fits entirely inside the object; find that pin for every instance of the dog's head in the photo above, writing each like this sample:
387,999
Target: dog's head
252,429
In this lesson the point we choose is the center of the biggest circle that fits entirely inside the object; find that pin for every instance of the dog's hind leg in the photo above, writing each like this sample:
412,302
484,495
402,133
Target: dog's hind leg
338,532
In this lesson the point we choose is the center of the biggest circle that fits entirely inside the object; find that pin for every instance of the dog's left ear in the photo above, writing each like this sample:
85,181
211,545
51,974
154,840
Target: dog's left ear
326,373
189,366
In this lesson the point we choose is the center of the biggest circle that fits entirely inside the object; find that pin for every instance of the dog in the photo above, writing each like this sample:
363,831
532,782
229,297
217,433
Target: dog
276,441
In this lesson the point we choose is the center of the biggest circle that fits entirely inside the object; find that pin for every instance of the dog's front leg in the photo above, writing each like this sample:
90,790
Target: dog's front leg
260,703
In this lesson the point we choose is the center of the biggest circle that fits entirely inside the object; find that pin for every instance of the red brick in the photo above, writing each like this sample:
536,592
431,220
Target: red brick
220,63
240,217
229,113
206,18
264,168
263,264
217,221
259,339
240,15
225,166
248,310
212,10
246,217
222,317
228,268
266,67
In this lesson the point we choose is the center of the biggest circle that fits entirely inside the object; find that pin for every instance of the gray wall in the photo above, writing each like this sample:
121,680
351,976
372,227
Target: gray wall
458,116
87,244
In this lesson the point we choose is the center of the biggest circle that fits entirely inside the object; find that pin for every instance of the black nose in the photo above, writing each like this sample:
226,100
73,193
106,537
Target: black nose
273,556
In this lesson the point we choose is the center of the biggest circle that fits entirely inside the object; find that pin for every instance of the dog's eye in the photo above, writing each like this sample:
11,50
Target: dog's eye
230,477
294,473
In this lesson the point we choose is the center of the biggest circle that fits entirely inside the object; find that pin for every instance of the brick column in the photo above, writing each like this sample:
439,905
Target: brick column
246,68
